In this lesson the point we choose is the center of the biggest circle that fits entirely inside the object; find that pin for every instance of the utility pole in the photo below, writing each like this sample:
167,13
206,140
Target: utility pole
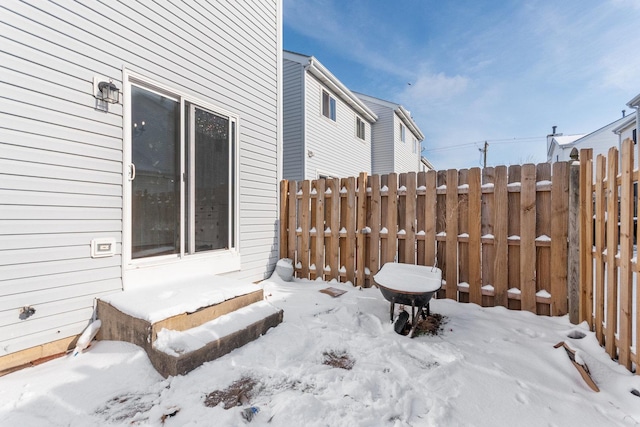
484,152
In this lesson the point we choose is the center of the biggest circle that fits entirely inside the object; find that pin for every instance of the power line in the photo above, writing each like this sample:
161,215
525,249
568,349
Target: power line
492,141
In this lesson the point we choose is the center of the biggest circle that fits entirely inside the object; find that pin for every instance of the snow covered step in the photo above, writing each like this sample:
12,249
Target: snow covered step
176,343
178,352
137,316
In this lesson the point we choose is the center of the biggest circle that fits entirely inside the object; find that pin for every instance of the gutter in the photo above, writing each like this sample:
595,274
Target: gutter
405,116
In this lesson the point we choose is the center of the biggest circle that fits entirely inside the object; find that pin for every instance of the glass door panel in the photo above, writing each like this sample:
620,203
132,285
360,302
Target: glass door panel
210,180
155,189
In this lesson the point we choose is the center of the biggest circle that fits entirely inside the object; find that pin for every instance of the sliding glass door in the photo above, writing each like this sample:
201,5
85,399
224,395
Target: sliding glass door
182,186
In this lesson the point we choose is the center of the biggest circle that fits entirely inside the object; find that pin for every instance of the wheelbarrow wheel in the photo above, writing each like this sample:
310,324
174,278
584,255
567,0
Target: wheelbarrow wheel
401,322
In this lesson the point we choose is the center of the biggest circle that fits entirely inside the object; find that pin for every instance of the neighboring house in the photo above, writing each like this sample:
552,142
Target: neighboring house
559,146
326,128
626,129
396,138
426,165
629,128
178,175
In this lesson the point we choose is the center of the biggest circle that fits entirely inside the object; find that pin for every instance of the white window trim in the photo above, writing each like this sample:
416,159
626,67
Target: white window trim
148,271
364,129
323,90
325,173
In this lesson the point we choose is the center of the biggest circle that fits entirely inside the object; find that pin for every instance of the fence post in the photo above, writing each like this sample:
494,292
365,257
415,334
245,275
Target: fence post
284,212
361,217
573,255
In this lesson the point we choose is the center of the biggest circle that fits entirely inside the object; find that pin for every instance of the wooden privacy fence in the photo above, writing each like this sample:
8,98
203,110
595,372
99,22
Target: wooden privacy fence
499,236
608,263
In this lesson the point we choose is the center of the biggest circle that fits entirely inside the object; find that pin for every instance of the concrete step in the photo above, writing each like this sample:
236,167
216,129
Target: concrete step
182,325
178,352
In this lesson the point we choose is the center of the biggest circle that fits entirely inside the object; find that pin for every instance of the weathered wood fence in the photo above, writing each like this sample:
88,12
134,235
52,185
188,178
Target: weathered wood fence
499,235
608,263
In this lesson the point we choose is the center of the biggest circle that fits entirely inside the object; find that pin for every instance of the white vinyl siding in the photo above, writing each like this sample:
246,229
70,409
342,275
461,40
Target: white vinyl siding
293,120
382,137
61,161
390,153
405,159
334,146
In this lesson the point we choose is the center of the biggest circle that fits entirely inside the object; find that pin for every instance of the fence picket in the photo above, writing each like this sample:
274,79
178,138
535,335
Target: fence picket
612,247
334,228
305,210
374,224
350,224
463,235
319,225
559,230
392,217
528,238
626,252
451,257
487,239
543,231
500,235
410,218
360,232
600,233
421,194
586,235
474,230
430,216
513,233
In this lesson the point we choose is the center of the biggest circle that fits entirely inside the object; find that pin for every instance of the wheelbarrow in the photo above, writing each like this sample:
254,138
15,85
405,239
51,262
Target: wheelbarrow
408,284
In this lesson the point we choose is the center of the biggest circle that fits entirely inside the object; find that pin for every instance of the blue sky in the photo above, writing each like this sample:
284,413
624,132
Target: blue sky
503,71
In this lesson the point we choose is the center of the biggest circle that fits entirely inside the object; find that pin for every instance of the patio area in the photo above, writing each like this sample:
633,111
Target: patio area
337,361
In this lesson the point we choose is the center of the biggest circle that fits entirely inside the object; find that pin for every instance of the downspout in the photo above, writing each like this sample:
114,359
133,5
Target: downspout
279,114
303,100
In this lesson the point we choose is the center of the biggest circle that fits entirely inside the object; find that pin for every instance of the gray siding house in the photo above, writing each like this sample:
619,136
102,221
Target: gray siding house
629,128
176,173
396,141
559,147
326,128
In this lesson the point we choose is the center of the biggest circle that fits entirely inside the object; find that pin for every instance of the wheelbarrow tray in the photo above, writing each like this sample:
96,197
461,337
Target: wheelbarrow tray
408,284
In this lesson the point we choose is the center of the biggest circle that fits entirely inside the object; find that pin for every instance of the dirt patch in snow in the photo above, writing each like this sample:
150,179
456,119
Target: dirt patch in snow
236,394
340,360
129,407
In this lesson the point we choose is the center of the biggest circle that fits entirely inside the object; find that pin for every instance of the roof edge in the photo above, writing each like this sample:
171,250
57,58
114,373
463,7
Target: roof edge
635,102
321,72
405,116
402,112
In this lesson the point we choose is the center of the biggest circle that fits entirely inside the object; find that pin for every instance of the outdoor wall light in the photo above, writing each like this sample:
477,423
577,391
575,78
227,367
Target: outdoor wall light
105,91
109,92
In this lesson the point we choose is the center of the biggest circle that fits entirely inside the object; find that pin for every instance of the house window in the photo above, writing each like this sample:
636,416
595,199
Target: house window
415,145
183,188
328,106
402,133
360,128
635,136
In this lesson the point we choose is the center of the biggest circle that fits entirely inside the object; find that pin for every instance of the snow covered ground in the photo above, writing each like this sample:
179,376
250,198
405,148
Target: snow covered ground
486,367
